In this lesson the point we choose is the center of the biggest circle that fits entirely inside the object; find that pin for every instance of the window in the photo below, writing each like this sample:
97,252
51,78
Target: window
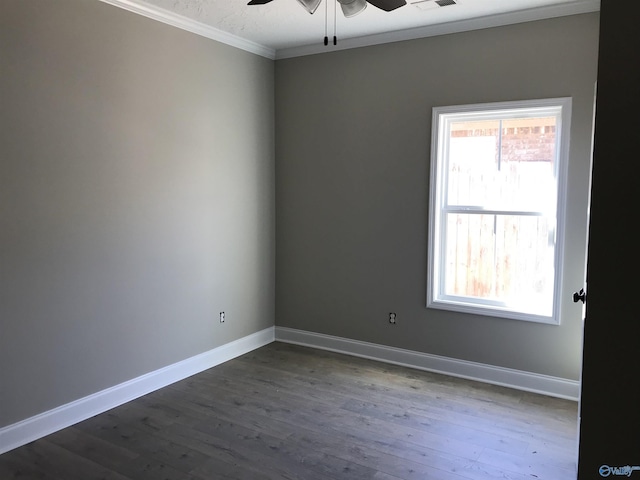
498,174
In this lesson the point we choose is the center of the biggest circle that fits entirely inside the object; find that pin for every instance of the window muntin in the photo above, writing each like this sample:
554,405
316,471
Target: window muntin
496,205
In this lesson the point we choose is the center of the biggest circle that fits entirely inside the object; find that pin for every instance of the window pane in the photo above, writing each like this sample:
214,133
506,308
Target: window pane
470,256
528,150
472,162
504,259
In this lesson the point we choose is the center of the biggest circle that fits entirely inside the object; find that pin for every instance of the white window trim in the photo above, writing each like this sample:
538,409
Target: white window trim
434,300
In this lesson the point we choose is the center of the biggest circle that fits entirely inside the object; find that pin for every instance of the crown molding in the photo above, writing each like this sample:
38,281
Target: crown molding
573,8
175,20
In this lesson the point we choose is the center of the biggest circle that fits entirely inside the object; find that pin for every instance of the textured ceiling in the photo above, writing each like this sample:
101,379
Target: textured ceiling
285,24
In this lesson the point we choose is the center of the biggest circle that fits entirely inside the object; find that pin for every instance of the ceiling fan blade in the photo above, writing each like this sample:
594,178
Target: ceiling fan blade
387,5
310,5
259,2
351,8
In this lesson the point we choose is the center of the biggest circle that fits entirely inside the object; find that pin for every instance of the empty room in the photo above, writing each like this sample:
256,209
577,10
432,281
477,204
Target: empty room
231,249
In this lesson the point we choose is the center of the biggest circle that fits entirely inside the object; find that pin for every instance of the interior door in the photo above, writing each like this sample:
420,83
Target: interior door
609,443
580,296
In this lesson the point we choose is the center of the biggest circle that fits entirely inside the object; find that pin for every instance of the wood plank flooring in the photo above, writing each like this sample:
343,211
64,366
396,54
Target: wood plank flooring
290,412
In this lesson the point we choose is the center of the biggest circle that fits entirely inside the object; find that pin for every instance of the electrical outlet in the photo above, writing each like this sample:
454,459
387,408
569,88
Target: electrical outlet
221,317
392,318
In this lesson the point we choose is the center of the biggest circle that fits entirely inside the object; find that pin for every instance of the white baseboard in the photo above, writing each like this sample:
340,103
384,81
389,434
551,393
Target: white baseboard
38,426
25,431
517,379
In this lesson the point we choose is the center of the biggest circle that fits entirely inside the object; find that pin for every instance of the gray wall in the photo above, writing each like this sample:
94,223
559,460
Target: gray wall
136,199
352,147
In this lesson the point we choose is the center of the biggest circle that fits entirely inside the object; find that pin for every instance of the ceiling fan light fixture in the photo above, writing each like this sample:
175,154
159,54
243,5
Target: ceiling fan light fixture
310,5
351,8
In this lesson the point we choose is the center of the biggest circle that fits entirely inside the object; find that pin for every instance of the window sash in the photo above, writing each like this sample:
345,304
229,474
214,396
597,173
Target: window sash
496,256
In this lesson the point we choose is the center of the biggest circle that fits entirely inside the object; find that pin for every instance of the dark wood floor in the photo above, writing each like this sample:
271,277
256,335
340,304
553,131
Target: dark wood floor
289,412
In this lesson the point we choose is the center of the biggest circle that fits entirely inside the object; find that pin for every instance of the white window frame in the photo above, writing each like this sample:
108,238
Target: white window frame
435,276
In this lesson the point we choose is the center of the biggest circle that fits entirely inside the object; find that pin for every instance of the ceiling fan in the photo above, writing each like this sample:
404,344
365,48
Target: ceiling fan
350,8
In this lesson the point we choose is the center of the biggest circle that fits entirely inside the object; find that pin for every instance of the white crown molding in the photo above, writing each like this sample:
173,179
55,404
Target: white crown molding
506,377
175,20
38,426
170,18
573,8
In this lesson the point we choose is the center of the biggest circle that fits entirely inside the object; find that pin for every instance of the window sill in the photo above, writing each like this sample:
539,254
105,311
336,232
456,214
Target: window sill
492,311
